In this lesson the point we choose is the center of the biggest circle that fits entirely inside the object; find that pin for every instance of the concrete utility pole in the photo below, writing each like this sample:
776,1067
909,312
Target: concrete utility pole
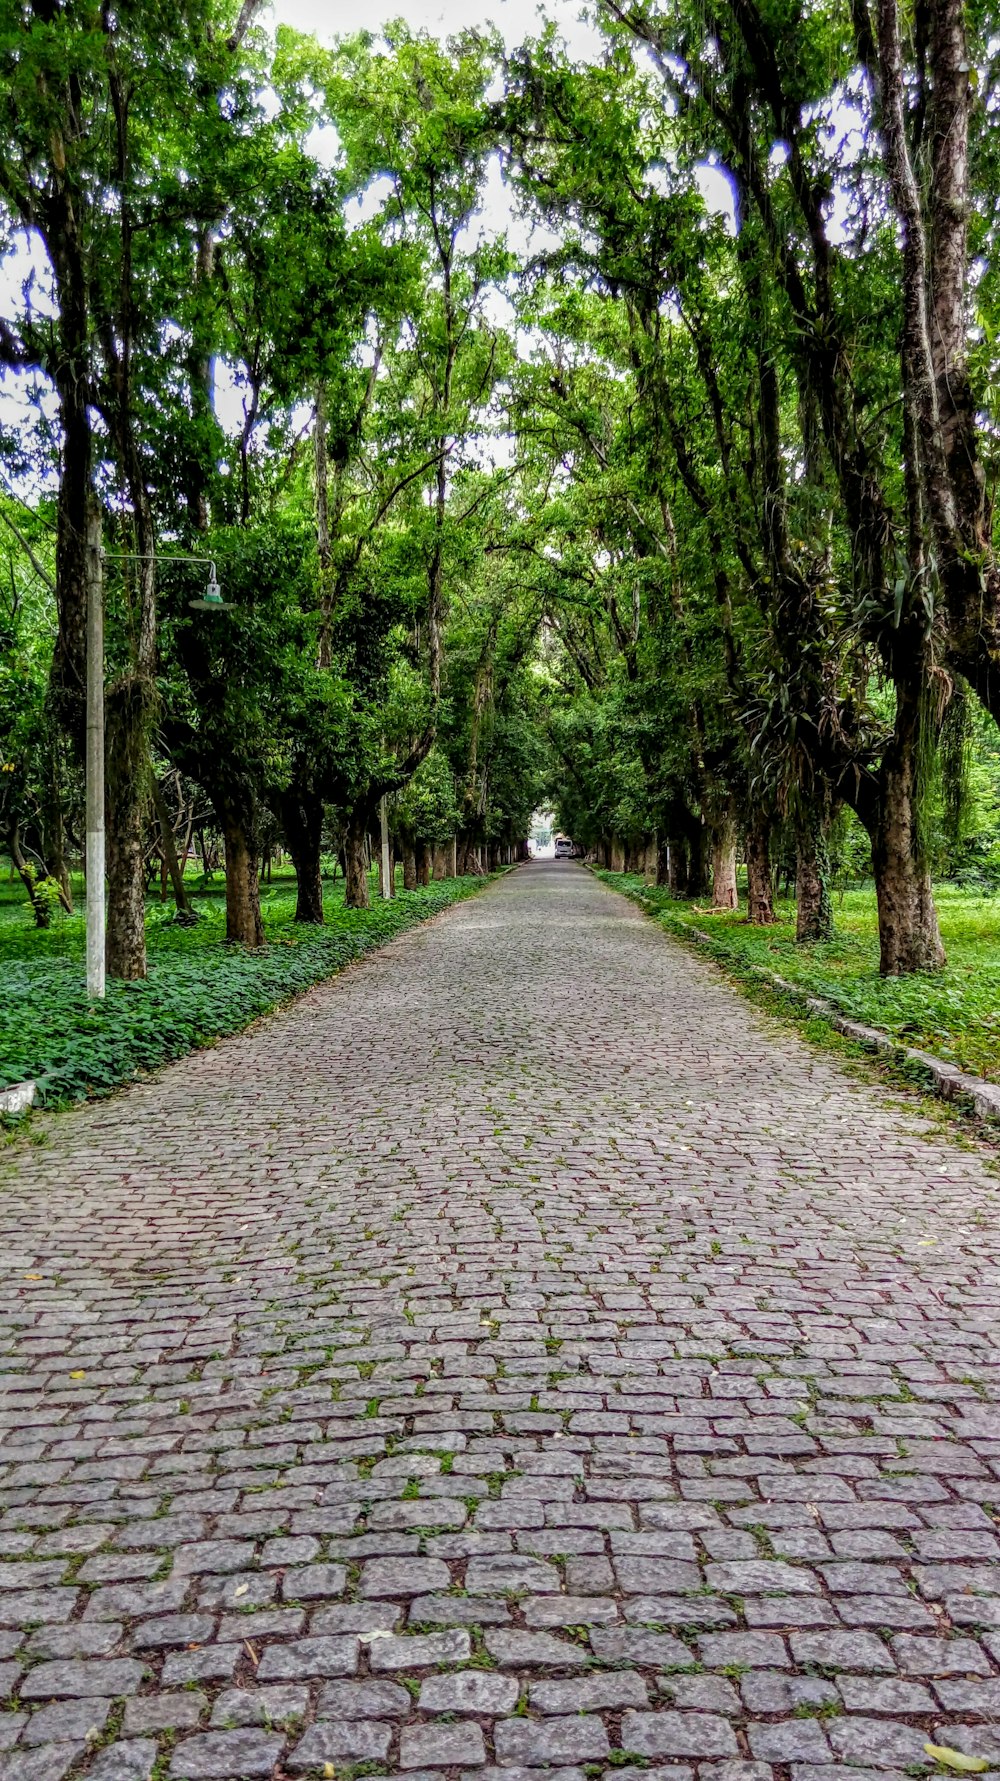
95,757
385,884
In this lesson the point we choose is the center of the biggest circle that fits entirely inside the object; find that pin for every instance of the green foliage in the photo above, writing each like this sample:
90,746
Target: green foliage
197,990
954,1013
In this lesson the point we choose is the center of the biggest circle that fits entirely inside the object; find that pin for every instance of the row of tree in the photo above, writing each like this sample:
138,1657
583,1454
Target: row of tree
186,244
698,537
772,434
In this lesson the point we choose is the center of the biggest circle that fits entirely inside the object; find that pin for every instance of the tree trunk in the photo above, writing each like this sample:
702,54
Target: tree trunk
616,862
697,859
814,909
440,863
664,862
126,931
356,889
760,896
244,925
41,908
302,825
409,868
724,892
54,828
907,919
171,864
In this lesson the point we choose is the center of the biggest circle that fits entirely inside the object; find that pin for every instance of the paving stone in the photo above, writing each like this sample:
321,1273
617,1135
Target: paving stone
363,1700
774,1691
796,1740
48,1762
627,1644
534,1650
881,1743
259,1706
529,1743
588,1694
64,1722
670,1733
469,1691
171,1629
940,1657
363,1618
130,1760
81,1639
569,1610
308,1657
403,1576
871,1694
313,1582
163,1712
511,1571
842,1651
705,1694
69,1679
441,1746
758,1650
626,1225
341,1741
418,1651
215,1663
11,1726
226,1756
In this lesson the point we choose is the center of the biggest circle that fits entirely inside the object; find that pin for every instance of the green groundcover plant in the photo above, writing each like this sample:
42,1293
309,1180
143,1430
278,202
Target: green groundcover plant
954,1013
198,989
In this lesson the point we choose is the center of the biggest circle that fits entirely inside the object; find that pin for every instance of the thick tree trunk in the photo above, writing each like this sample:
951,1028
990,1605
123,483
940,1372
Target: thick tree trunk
244,925
409,868
907,919
440,863
724,892
302,826
814,909
760,895
664,859
356,889
616,862
126,931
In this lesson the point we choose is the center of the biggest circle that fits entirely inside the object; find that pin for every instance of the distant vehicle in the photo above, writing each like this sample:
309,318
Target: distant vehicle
564,848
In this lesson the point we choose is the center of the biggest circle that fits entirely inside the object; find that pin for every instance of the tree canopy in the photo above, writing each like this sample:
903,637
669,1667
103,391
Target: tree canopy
530,474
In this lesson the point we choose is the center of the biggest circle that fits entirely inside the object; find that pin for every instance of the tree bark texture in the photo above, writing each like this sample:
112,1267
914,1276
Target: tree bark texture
724,892
813,905
760,893
356,889
302,824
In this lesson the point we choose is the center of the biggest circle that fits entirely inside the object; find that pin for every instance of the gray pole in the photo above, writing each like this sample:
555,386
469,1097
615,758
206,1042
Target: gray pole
385,877
95,757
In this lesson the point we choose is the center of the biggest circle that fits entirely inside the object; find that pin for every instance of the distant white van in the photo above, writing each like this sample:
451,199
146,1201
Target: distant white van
564,848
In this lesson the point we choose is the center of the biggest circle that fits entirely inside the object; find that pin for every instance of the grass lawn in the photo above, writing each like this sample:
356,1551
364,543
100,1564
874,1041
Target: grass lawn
954,1013
198,988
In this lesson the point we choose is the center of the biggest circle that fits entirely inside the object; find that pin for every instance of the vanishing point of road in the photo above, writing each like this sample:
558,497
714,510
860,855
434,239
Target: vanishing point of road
520,1354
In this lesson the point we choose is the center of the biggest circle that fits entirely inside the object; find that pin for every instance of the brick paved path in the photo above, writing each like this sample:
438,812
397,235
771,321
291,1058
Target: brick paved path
519,1353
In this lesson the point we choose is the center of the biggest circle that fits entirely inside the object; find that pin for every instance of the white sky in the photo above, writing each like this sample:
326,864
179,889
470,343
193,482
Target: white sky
515,19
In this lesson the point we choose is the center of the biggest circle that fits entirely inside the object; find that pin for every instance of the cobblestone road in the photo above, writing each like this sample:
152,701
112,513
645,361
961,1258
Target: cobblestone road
519,1354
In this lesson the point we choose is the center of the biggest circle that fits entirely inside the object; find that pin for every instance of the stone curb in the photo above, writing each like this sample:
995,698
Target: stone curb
950,1083
17,1098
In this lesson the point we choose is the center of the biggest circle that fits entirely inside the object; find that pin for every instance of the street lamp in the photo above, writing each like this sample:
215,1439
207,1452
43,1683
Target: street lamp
95,855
